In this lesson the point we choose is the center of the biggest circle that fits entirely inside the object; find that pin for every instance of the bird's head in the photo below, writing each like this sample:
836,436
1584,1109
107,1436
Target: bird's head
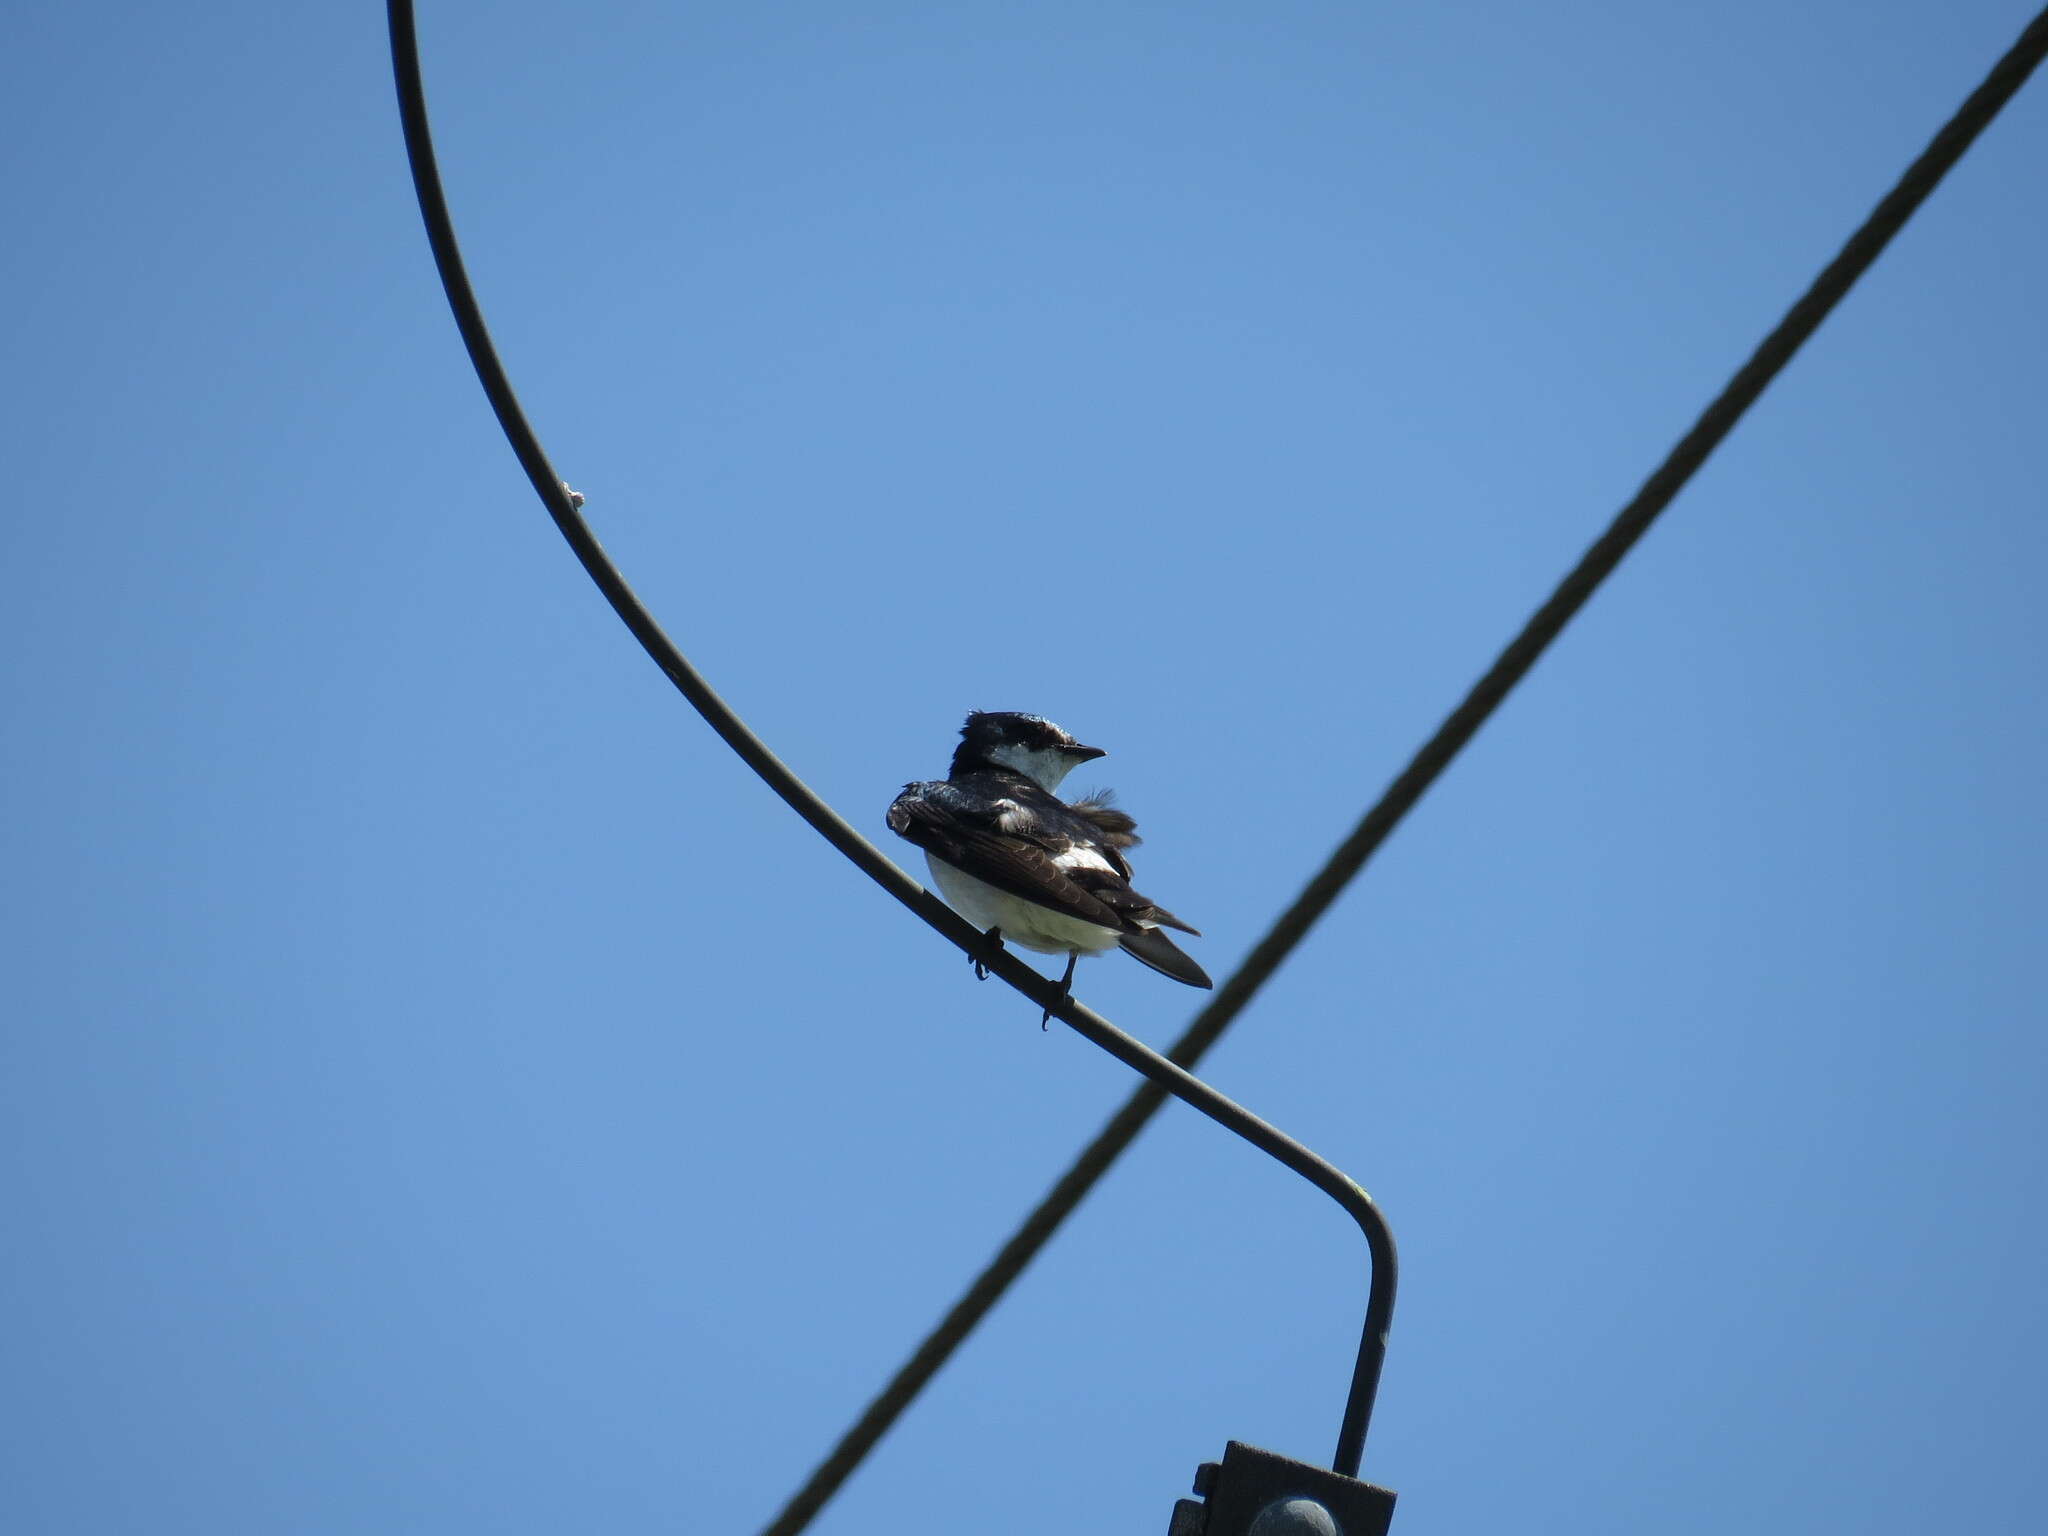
1033,746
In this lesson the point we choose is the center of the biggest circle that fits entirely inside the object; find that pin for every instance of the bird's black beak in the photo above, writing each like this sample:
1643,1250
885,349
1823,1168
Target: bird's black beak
1085,753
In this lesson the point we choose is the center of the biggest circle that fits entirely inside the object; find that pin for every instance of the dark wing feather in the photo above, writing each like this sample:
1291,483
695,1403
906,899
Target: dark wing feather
958,829
1138,911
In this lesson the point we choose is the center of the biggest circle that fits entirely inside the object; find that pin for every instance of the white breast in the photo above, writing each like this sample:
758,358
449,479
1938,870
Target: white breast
1022,922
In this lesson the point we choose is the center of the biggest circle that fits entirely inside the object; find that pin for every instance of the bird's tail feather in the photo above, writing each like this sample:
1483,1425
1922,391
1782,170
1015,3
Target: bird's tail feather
1164,956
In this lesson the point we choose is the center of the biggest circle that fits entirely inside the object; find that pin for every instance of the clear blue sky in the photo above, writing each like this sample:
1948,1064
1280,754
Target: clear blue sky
443,1092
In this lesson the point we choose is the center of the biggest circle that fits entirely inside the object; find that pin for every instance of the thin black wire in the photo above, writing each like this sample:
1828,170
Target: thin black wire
1522,653
1170,1077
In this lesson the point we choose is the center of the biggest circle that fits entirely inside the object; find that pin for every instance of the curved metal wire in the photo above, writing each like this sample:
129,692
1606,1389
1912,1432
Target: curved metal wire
563,508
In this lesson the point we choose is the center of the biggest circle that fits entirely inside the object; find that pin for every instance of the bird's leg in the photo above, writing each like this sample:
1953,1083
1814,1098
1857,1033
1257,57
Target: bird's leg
995,937
1066,988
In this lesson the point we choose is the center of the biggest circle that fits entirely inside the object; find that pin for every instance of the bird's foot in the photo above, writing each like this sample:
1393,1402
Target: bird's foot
1066,989
995,937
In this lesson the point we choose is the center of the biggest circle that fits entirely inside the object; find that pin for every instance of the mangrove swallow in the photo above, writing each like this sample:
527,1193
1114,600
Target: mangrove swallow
1014,859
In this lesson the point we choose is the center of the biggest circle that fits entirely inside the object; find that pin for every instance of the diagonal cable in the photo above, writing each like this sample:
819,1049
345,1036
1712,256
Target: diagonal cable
1772,354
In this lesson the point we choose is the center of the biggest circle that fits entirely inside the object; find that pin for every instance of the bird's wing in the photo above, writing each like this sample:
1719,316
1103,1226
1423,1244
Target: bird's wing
1116,893
1087,839
969,835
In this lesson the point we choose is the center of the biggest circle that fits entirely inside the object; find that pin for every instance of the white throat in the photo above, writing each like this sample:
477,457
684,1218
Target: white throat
1045,765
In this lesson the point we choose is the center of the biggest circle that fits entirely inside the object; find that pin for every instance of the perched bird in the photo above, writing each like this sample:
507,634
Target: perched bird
1013,858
